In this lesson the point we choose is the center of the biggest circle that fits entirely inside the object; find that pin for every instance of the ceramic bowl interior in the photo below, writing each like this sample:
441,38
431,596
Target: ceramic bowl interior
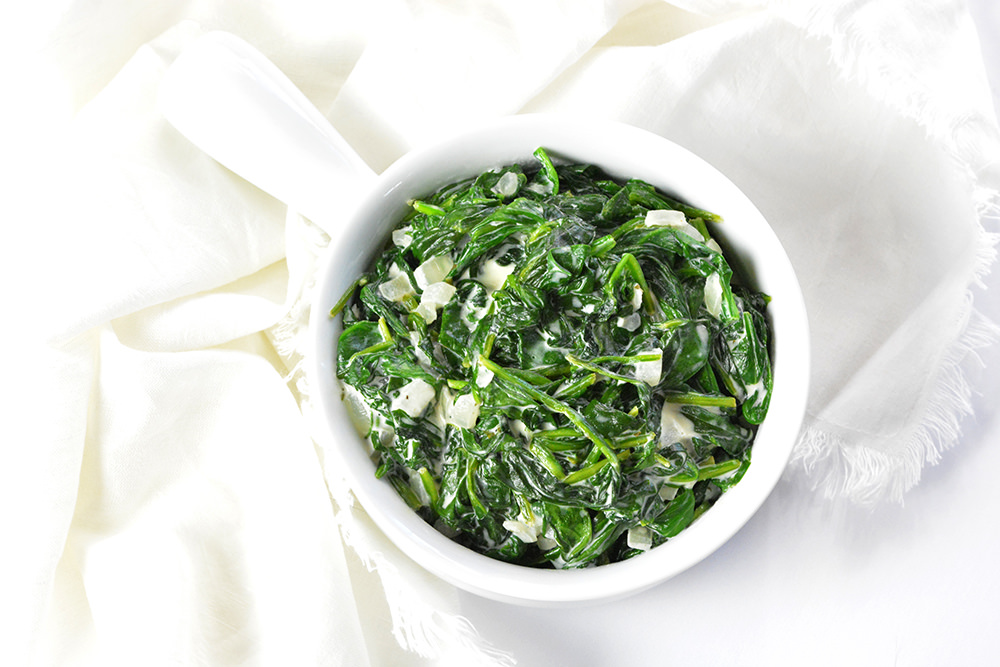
622,151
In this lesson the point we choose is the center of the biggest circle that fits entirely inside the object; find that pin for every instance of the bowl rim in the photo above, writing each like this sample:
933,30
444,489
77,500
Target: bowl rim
603,143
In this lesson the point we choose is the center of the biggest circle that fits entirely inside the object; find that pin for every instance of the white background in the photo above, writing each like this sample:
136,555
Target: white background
809,583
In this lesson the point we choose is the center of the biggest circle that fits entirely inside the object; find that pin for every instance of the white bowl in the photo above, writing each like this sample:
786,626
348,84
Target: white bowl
622,151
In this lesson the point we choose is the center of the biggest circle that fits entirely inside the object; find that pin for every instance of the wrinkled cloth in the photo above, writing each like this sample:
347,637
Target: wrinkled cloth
161,484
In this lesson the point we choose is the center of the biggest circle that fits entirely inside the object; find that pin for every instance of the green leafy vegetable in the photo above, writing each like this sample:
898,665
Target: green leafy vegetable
554,366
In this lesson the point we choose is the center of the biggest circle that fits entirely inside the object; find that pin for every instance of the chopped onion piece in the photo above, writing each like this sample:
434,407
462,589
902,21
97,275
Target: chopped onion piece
667,492
418,488
357,410
413,397
397,289
519,429
673,219
434,297
437,294
527,526
506,185
523,531
675,427
401,237
630,323
713,295
426,311
463,412
483,376
493,275
665,218
650,371
434,270
546,543
636,297
640,538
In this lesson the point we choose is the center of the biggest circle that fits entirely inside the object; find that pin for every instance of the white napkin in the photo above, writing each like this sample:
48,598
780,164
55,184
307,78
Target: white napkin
167,500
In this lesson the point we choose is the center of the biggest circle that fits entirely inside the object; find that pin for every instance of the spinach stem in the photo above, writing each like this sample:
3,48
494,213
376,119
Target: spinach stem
630,265
633,441
548,460
576,387
718,469
470,487
569,444
384,330
346,296
669,325
705,400
593,469
372,349
555,405
554,433
427,209
594,368
430,485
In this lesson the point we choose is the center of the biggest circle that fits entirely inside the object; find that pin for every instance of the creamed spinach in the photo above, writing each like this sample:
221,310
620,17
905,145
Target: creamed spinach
554,367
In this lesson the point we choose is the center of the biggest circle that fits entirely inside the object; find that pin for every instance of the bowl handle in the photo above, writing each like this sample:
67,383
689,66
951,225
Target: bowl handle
233,103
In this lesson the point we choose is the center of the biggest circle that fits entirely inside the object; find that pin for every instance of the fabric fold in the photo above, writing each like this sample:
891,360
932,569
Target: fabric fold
163,484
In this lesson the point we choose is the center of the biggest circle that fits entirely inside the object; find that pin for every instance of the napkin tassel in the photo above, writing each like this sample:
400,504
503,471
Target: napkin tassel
867,476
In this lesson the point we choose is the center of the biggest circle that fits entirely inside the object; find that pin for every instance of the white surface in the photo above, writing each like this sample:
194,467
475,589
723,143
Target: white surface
808,583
